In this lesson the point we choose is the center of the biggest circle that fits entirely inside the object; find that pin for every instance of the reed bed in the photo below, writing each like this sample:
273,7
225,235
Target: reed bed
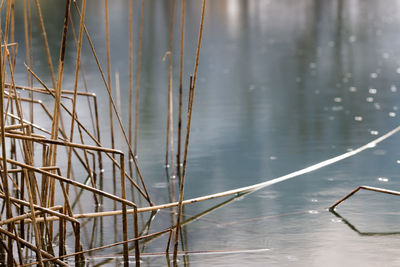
48,170
54,160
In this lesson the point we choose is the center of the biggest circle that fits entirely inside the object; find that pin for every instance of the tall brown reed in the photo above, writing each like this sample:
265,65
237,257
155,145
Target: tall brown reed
182,43
138,77
189,118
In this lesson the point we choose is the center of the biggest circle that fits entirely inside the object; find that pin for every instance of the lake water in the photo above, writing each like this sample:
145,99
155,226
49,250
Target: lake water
282,85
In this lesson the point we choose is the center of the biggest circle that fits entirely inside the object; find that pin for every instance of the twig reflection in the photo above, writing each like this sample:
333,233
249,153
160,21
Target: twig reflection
352,227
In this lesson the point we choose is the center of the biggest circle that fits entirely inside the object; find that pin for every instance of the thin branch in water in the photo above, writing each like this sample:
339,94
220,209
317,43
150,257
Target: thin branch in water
368,188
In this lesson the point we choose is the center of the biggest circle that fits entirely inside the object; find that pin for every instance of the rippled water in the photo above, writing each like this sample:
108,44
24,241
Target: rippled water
282,85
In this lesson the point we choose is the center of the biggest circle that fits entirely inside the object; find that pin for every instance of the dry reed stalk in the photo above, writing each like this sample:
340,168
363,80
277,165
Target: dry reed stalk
27,146
47,90
182,41
169,241
33,217
124,213
14,126
42,139
27,215
130,115
184,236
13,152
99,156
8,22
14,50
191,97
57,85
28,54
118,96
136,231
77,64
182,181
61,237
109,88
40,209
138,76
45,162
368,188
71,182
9,34
46,228
75,226
10,45
81,69
46,43
31,125
107,27
12,39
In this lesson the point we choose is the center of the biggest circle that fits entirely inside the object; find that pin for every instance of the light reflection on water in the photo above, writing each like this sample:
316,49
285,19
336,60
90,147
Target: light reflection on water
282,85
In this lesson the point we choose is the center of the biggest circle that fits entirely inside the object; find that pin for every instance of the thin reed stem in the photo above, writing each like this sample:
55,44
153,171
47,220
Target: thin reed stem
45,41
130,69
138,75
33,216
130,115
77,64
178,156
189,117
